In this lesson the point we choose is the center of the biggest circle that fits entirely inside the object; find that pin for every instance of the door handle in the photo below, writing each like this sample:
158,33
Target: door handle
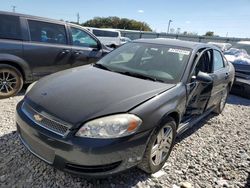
227,76
65,51
77,52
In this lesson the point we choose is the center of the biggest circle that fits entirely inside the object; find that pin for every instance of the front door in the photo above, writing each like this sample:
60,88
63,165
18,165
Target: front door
48,50
85,48
198,93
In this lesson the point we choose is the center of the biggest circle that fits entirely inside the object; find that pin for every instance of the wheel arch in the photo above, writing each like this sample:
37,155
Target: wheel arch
173,114
113,45
13,64
18,63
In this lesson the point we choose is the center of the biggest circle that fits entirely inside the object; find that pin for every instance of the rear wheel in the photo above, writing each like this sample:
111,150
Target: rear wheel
113,46
11,81
222,103
159,147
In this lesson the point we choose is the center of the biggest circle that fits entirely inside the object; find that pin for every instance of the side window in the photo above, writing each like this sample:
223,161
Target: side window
102,33
218,61
82,38
205,63
10,27
47,32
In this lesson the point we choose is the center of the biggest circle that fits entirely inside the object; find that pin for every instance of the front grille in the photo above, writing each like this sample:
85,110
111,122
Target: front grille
52,124
92,169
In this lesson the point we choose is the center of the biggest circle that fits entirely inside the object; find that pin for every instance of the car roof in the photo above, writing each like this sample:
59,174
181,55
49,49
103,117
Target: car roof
40,18
219,43
177,42
32,17
104,29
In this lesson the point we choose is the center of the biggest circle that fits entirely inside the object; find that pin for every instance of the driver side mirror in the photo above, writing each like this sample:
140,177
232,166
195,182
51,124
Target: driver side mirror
202,77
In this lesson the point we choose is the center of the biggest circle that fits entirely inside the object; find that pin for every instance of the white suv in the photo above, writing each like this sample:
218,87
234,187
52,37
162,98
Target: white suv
109,37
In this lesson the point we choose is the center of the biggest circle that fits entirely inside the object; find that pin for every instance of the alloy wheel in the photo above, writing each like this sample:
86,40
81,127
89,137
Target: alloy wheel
8,82
162,145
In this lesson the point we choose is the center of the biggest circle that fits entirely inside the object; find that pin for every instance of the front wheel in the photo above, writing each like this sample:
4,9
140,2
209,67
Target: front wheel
159,147
11,81
113,46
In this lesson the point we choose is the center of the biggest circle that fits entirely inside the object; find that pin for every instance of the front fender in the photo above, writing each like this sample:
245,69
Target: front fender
152,112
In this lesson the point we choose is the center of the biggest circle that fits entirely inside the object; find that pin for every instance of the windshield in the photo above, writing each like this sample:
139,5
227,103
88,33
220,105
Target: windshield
157,62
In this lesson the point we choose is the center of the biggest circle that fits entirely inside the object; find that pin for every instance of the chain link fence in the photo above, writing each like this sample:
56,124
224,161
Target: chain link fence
142,34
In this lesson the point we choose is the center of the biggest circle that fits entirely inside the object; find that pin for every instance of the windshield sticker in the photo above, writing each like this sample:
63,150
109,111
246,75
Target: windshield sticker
179,51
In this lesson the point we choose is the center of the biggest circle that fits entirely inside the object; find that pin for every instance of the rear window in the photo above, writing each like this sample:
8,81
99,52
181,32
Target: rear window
102,33
47,32
10,27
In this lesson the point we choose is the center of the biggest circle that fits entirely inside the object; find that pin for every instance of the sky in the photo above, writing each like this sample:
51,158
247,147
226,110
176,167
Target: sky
225,17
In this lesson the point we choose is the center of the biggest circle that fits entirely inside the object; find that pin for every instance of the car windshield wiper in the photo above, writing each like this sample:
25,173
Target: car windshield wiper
142,76
101,66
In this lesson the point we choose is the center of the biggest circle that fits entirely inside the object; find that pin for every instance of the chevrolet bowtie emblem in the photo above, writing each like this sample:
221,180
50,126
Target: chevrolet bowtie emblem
38,117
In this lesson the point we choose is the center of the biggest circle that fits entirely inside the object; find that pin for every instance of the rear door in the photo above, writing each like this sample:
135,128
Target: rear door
220,75
86,49
47,50
198,94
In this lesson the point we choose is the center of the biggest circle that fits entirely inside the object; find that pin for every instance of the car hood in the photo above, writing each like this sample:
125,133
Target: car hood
83,93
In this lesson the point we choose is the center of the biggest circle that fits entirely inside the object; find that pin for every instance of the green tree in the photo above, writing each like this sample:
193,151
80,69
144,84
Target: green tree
209,33
118,23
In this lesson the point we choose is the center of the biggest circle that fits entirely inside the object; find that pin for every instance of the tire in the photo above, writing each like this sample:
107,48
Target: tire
11,81
221,105
150,162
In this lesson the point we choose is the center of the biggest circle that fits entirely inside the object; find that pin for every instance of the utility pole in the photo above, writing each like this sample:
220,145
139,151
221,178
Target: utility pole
178,31
78,17
169,22
13,8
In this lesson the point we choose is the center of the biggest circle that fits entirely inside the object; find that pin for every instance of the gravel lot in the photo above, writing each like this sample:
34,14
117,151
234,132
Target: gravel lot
215,153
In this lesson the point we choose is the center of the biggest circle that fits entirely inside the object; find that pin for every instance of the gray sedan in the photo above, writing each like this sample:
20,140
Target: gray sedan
127,109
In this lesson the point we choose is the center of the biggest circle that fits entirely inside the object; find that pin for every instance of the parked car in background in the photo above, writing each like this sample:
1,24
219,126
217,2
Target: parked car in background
144,94
125,40
221,45
32,47
239,56
109,37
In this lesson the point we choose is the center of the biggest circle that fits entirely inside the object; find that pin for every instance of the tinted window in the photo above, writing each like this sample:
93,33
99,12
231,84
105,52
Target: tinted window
102,33
10,27
160,62
47,32
218,61
82,38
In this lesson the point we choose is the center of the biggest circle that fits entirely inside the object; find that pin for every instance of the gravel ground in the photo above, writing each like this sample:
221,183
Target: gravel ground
214,153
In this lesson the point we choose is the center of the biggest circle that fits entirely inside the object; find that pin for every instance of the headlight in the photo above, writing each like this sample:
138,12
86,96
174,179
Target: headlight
113,126
30,86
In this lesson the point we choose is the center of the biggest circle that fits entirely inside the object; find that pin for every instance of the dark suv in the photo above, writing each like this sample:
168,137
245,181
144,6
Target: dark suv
32,47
